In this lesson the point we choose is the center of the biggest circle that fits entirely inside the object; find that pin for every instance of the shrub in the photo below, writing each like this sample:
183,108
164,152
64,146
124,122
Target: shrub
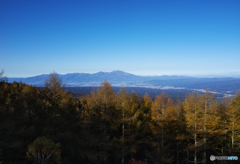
133,161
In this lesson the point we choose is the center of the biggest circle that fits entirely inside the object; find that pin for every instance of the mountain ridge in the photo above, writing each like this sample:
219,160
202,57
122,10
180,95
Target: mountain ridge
227,85
114,76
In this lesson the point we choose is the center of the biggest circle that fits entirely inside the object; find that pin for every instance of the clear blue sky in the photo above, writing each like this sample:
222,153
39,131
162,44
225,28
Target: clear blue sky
137,36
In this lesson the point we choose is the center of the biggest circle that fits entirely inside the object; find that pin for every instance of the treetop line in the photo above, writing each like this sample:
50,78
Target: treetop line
44,125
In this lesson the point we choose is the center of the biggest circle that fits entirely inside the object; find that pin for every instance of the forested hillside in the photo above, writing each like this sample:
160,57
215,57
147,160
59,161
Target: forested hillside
49,125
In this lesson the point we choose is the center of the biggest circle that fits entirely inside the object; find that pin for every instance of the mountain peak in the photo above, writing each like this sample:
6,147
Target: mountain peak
118,71
101,72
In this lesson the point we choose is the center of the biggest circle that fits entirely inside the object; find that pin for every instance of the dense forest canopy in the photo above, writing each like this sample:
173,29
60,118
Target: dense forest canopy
43,125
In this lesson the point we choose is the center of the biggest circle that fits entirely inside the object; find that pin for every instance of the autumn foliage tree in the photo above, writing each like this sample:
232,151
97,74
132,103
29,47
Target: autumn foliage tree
194,118
101,113
44,151
164,117
57,99
2,78
234,124
123,102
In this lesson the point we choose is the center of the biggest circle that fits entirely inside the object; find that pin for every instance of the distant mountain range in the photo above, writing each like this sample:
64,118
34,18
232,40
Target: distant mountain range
224,85
85,79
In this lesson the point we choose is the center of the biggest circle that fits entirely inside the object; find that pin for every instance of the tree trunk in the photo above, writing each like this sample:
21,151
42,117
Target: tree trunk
225,139
123,136
158,152
105,134
205,113
232,135
195,137
162,134
146,152
177,152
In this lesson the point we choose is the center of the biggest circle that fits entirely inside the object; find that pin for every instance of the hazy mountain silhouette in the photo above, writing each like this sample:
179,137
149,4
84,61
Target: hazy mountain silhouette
120,78
80,79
